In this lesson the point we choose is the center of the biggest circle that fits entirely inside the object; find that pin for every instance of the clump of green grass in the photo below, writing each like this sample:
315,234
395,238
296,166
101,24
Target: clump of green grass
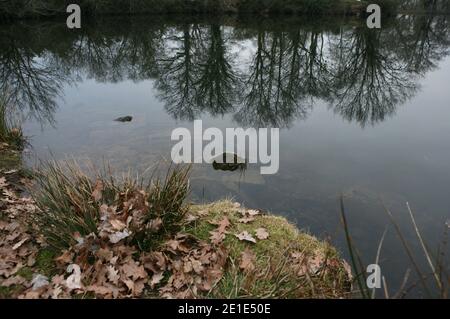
64,197
166,200
45,263
69,201
167,197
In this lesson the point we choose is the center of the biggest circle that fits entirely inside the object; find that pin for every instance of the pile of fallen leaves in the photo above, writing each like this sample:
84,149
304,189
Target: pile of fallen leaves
110,264
95,268
105,265
18,248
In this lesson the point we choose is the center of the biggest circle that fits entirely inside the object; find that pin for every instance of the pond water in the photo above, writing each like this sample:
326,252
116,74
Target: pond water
364,113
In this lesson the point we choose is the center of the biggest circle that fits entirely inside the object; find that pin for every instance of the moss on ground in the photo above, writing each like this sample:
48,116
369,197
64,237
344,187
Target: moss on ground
274,275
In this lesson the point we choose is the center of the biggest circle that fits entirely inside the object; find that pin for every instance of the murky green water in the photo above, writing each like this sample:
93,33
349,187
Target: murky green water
364,113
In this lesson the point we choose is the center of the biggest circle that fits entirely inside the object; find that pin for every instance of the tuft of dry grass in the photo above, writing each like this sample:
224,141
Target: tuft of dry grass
70,200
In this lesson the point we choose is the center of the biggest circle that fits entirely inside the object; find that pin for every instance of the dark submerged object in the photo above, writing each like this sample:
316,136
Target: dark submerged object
124,119
229,162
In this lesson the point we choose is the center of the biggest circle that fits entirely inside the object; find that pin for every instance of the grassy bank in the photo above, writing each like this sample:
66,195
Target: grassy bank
40,8
101,237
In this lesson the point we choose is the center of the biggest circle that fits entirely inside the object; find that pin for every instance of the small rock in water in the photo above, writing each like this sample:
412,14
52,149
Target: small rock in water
124,119
229,162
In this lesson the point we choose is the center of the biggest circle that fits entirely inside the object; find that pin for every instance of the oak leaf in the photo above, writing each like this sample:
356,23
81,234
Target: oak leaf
216,237
245,236
261,233
65,258
156,279
246,220
248,258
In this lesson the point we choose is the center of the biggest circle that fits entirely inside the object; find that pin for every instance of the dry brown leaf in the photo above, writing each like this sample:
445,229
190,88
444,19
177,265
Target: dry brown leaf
316,262
202,212
252,212
113,274
176,245
223,224
3,224
216,237
132,270
99,290
117,224
261,233
97,193
118,236
246,220
15,280
245,236
191,218
104,254
3,182
156,279
197,266
248,258
65,258
155,262
135,287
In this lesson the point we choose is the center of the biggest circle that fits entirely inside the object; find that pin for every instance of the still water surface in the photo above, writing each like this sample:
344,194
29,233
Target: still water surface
362,113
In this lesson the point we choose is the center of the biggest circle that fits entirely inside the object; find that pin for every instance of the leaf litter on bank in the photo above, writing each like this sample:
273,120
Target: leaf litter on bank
109,265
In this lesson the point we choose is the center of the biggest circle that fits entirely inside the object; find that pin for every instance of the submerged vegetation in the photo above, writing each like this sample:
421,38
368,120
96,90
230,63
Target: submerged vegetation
96,236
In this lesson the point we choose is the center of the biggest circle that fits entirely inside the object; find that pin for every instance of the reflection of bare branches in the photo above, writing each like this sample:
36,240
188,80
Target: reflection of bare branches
364,74
30,82
177,77
217,81
195,73
424,39
274,96
370,82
